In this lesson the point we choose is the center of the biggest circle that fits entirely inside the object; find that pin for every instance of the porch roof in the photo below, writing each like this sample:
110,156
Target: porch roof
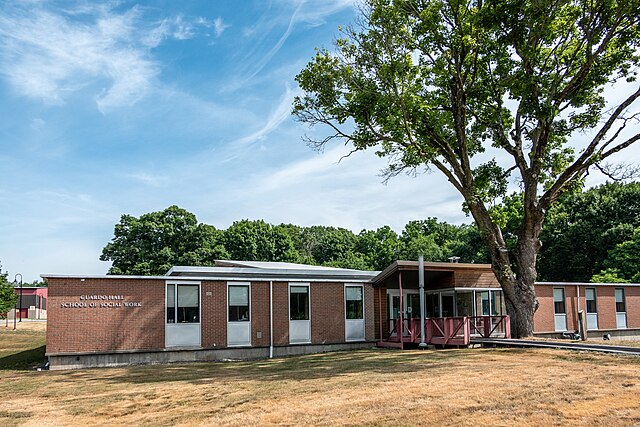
433,272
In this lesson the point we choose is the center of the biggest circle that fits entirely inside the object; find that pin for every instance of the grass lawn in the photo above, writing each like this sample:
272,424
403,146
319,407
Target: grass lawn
373,387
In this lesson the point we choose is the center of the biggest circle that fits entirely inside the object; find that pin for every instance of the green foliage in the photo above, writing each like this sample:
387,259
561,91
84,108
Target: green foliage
8,296
624,259
582,229
153,243
609,275
258,241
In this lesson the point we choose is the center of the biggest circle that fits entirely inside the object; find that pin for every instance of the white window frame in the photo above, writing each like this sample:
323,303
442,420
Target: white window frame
621,316
592,317
560,319
236,327
182,334
295,325
350,324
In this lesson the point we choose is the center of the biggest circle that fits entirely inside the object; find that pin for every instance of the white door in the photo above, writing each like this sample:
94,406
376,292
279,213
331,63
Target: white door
354,312
299,315
239,314
182,309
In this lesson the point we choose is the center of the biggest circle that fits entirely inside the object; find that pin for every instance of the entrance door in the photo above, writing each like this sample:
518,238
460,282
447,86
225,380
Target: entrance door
447,306
559,307
299,320
410,303
354,312
592,309
182,328
239,320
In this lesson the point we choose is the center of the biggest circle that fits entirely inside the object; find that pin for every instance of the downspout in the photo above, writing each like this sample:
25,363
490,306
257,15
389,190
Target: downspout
422,310
270,319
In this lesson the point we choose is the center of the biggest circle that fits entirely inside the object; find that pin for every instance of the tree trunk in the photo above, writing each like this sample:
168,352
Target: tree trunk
517,287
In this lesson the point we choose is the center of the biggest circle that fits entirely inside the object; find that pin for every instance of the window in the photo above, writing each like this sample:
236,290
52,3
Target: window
354,307
558,301
482,303
183,303
299,303
497,303
590,294
620,305
238,303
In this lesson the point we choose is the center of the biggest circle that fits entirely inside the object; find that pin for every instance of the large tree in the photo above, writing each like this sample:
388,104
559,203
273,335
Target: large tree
487,93
156,241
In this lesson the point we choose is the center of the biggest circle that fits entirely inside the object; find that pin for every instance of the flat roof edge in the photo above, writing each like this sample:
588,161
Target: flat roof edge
585,284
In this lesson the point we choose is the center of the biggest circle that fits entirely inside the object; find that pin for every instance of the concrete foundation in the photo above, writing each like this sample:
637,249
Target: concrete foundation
61,361
617,334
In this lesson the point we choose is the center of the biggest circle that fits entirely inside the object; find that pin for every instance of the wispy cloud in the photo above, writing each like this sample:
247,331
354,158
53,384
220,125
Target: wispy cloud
49,54
280,113
300,12
146,178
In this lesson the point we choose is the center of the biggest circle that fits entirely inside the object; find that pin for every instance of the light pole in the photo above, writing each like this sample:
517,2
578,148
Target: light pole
14,281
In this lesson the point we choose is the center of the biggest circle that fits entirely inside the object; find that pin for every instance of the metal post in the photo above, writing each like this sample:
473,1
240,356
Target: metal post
401,314
422,310
271,319
20,296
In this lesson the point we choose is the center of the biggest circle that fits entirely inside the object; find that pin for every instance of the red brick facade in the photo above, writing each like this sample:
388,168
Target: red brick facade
605,303
75,325
80,324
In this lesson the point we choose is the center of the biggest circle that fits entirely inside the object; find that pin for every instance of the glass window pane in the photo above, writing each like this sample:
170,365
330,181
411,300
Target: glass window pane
354,308
239,303
238,295
590,294
558,301
188,304
354,293
482,303
299,303
497,303
171,303
620,305
464,303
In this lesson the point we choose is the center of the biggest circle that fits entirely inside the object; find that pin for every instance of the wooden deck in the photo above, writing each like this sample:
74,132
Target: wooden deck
446,331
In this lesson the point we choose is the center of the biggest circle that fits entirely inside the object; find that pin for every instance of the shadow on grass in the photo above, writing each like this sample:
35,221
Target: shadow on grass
24,360
317,366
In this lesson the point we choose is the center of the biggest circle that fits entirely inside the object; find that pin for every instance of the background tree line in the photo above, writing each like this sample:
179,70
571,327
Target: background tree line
590,235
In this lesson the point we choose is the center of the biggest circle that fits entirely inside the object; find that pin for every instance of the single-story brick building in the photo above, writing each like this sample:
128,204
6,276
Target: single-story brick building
32,305
244,310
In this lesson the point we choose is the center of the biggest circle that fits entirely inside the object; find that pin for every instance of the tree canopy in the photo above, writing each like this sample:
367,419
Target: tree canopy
590,235
485,92
8,296
156,241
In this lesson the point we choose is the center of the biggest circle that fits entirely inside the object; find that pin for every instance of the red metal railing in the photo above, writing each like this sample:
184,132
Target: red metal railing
449,330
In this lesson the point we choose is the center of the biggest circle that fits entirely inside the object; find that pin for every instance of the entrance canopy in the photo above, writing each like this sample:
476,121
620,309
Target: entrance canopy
437,275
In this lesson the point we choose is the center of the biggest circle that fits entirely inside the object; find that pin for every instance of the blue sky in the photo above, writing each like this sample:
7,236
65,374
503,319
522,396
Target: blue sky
129,107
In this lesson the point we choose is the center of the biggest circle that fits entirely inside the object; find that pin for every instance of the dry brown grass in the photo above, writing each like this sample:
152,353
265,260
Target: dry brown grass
373,387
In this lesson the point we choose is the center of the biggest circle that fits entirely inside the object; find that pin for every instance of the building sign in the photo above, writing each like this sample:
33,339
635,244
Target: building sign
101,301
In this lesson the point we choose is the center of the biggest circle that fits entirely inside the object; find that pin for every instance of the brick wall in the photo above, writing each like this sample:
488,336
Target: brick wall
214,313
632,295
281,313
86,329
369,313
327,313
543,320
381,312
260,314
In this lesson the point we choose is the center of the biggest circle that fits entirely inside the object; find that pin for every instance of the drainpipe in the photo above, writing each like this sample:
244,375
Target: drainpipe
270,319
422,310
